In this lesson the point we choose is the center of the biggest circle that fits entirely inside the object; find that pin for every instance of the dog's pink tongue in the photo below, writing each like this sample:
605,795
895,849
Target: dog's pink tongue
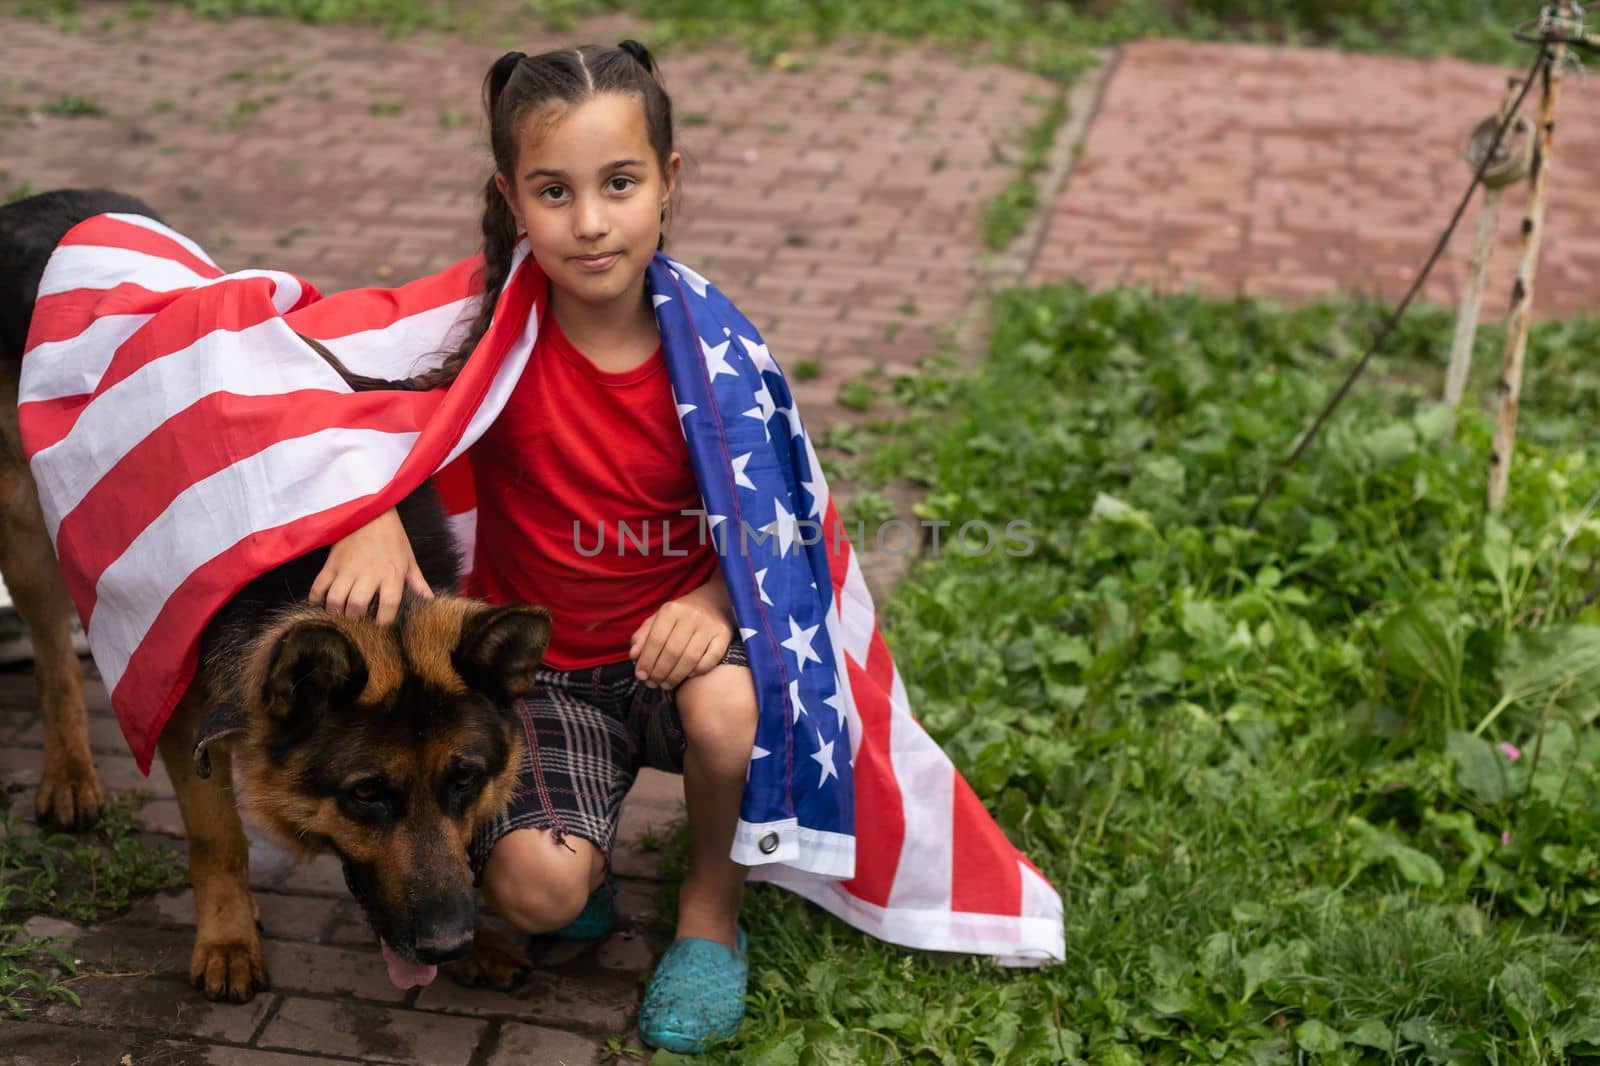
403,974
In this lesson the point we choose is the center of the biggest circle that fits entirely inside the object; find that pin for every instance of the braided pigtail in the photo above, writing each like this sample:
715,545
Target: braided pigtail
499,230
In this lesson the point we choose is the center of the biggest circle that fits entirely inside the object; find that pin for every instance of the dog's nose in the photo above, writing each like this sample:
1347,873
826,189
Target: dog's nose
439,949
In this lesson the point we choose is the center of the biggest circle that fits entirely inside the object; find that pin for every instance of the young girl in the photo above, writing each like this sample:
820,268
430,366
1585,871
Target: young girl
645,665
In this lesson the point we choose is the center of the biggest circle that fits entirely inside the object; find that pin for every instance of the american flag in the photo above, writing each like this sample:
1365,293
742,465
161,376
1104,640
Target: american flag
185,441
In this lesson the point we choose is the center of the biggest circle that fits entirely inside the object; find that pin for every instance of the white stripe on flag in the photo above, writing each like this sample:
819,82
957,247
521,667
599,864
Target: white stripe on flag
281,484
1015,941
505,378
926,779
264,360
857,617
73,367
145,222
1039,899
94,266
391,351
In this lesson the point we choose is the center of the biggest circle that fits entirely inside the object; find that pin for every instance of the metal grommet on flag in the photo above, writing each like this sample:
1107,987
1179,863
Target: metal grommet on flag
768,844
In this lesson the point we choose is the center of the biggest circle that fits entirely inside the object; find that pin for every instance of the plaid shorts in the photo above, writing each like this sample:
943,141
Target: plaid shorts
588,732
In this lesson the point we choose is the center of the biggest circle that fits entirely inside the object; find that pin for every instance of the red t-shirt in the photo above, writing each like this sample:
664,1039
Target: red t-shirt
581,484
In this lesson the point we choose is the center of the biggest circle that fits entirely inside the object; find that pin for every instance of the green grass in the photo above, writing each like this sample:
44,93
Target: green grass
1008,214
73,106
78,878
857,395
242,111
1246,757
20,191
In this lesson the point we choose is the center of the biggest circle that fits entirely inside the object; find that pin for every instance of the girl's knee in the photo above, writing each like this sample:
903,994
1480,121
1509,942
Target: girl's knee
718,710
538,885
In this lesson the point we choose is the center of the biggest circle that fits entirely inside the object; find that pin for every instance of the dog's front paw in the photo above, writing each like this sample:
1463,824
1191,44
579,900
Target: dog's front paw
228,969
69,796
495,961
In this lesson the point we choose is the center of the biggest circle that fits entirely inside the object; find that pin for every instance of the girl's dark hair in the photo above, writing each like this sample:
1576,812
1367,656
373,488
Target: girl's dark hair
516,86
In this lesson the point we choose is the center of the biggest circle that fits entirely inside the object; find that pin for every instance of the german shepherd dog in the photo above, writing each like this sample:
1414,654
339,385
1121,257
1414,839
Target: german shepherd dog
386,745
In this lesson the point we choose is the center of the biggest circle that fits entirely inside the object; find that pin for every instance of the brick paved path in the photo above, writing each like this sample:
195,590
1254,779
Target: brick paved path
837,203
1290,172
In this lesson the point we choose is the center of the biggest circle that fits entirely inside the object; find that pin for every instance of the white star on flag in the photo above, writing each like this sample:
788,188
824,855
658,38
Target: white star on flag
760,356
746,634
684,409
799,642
760,416
791,414
756,753
824,757
717,359
794,699
761,577
740,478
784,526
658,299
712,522
764,399
835,699
814,491
689,278
816,486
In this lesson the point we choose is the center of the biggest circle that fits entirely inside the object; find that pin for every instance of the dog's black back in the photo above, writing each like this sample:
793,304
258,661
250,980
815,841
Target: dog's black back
30,229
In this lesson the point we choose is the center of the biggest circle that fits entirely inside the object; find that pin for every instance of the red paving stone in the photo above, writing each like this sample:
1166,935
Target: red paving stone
1291,172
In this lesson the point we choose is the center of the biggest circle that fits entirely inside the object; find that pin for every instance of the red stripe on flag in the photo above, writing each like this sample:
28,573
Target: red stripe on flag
146,480
880,664
104,231
879,837
45,423
839,550
62,316
983,865
230,306
361,310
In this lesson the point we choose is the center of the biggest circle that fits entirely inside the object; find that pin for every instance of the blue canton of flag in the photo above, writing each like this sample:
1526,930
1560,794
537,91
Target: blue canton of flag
759,479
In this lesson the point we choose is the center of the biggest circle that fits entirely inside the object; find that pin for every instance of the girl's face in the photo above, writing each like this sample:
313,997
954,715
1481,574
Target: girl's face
590,195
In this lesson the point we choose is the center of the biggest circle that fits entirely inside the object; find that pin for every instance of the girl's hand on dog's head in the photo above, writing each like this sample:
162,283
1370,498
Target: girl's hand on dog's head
373,564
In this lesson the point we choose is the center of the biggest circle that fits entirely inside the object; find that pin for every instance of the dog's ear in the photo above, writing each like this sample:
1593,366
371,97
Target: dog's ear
222,721
314,666
499,650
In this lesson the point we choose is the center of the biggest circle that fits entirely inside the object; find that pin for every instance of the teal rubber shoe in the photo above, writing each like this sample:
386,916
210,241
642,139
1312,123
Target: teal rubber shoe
696,993
599,914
